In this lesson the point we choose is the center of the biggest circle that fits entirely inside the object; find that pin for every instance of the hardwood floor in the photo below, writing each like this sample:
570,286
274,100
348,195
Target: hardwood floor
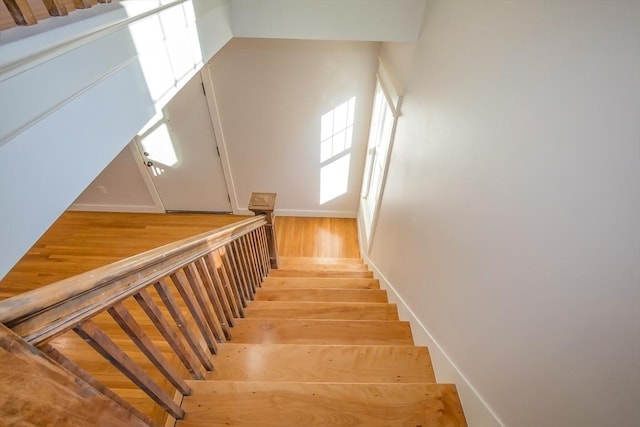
81,241
317,237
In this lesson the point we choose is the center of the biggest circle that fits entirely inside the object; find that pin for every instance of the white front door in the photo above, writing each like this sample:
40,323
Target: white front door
181,154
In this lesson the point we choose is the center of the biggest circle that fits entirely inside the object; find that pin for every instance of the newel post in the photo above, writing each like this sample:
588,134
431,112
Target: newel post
264,204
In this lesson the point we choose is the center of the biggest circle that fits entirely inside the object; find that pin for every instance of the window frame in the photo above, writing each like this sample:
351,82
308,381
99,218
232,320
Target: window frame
392,101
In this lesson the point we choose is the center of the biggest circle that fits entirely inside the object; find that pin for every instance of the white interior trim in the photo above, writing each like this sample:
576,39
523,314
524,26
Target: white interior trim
212,102
476,409
144,172
383,184
114,208
395,103
305,213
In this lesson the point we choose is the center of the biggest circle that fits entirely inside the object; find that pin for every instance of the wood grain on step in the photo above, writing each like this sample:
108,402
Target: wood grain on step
298,331
325,267
218,403
320,273
321,310
319,260
288,264
347,295
319,282
323,363
317,237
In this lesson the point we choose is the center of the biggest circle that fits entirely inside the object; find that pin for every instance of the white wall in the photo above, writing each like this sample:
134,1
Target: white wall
388,20
67,111
271,95
120,187
513,193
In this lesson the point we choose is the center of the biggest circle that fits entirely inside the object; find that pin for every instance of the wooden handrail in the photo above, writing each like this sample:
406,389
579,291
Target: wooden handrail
39,314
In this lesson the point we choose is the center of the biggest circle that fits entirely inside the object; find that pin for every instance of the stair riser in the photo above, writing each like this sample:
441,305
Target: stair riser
319,260
326,295
321,310
327,273
326,267
319,283
328,332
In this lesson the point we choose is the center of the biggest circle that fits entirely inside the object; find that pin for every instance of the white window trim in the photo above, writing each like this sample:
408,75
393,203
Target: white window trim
394,101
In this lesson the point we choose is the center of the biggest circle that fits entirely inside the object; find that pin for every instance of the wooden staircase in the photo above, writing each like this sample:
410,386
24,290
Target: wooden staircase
321,346
217,329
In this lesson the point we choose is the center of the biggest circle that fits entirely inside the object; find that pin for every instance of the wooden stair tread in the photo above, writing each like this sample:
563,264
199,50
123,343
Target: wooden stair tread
246,403
319,260
329,295
319,282
322,363
319,273
321,310
302,264
302,331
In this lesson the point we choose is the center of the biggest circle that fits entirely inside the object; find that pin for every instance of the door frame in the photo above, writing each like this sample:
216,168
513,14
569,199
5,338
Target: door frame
214,113
144,172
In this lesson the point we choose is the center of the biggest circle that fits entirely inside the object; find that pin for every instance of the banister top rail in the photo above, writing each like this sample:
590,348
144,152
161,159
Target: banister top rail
48,311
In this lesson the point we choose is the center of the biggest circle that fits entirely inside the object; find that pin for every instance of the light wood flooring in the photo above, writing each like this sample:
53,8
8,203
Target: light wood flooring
81,241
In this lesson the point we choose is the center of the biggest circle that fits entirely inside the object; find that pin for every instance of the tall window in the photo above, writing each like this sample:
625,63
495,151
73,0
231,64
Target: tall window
383,123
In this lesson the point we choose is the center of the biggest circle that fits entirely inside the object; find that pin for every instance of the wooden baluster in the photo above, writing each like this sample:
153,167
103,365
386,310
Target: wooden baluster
239,266
187,357
193,277
132,328
264,204
226,285
213,296
100,342
232,282
260,250
21,12
254,259
256,256
265,248
245,267
180,282
250,263
240,280
55,7
81,4
174,309
210,262
63,361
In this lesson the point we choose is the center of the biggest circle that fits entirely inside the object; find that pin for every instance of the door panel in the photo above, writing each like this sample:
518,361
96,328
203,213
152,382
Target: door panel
180,152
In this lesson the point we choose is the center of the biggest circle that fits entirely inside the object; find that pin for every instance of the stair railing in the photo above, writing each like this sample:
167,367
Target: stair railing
201,283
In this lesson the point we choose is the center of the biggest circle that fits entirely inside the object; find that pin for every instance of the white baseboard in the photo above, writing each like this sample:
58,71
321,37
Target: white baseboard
477,411
305,213
114,208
